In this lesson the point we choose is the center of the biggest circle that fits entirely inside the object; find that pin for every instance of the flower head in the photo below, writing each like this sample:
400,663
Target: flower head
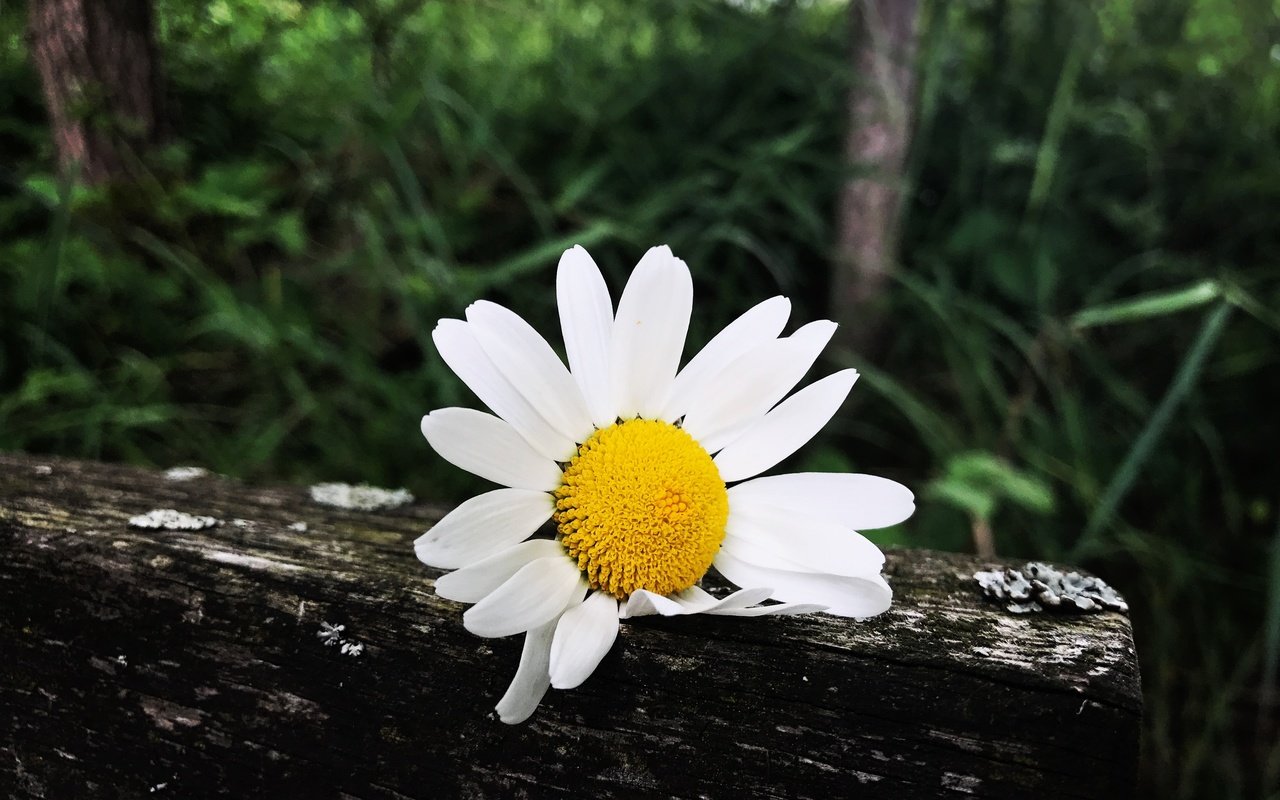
647,471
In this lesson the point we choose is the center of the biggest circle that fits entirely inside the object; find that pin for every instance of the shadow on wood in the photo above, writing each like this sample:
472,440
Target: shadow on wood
192,664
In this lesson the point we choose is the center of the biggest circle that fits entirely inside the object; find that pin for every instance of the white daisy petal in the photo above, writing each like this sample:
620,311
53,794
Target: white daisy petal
695,600
863,502
487,446
464,355
698,598
843,595
484,525
815,335
740,393
752,384
536,594
649,332
830,549
815,543
583,637
643,603
526,360
758,325
532,677
777,609
586,321
741,603
785,429
476,581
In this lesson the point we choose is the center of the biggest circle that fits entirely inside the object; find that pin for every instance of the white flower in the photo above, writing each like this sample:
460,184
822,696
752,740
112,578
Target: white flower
618,451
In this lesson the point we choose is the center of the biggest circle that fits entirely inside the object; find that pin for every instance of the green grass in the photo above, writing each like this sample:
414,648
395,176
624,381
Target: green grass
1081,346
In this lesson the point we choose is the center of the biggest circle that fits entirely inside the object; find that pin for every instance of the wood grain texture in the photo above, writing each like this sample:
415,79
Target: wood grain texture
188,664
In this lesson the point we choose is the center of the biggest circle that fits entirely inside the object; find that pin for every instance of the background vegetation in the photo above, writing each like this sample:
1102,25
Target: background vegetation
1082,346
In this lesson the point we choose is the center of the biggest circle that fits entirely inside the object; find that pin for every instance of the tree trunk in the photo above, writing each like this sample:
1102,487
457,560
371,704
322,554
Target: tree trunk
100,76
880,106
193,663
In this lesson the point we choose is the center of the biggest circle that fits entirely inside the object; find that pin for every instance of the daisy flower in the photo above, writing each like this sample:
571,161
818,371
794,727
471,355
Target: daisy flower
647,471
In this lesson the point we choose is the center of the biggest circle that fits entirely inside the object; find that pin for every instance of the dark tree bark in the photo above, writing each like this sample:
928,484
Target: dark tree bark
143,663
100,75
880,113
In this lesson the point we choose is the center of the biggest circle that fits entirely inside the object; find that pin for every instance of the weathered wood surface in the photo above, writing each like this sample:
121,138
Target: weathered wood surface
187,664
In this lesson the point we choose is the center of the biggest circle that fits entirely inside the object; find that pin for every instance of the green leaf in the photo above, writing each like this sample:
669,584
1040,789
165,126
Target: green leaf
44,187
55,193
978,481
231,190
1148,306
290,233
974,501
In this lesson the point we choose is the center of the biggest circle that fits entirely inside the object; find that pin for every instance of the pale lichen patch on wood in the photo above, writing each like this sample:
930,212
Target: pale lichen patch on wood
170,519
1038,587
184,473
362,497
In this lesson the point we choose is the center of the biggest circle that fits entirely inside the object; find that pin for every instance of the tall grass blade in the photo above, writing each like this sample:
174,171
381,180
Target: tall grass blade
934,430
1123,479
53,264
1047,156
1148,306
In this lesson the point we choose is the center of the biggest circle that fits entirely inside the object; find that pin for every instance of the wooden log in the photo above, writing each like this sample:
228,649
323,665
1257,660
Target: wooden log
145,663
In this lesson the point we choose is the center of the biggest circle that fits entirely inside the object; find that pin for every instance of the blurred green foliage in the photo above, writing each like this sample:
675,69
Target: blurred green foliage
1083,343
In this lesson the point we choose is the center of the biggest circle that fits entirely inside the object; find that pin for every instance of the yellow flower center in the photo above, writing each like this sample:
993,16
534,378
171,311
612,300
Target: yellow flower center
642,506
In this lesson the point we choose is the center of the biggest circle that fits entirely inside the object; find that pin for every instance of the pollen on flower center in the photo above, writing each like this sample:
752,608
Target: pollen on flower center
642,506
